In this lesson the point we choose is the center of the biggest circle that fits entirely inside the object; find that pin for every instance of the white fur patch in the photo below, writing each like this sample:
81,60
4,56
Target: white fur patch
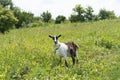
62,50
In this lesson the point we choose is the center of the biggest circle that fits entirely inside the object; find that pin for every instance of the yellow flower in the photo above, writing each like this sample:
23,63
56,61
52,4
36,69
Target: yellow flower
2,76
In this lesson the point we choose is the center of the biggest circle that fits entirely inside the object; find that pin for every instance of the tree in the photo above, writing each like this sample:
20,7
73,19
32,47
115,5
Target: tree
24,18
74,18
6,3
7,19
80,12
60,19
104,14
89,13
27,17
46,16
95,18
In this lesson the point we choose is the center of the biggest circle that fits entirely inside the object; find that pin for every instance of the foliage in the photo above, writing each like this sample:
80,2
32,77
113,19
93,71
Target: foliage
46,16
86,14
106,43
24,18
79,9
89,13
80,12
7,19
60,19
38,23
104,14
83,14
95,18
6,3
28,54
74,18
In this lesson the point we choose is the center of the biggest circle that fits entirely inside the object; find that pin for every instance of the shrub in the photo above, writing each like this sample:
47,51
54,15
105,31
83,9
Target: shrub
7,19
106,43
60,19
46,16
104,14
37,24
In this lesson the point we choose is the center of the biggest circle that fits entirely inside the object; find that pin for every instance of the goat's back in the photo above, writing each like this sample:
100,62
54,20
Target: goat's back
72,48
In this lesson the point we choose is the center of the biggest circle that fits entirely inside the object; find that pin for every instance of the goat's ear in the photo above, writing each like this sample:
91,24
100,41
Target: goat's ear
50,36
59,35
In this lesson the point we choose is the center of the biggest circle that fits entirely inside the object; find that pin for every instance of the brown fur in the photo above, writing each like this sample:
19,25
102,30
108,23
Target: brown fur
72,48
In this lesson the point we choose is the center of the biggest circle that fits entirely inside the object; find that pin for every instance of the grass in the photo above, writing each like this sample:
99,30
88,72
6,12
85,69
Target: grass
28,54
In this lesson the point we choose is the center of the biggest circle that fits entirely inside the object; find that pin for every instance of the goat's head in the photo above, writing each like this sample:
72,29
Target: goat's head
55,38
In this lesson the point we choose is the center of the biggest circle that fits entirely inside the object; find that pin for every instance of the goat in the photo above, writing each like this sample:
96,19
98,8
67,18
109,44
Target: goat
65,50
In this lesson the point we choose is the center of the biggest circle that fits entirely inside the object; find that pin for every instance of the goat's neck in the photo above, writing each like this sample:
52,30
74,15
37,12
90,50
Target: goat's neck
57,45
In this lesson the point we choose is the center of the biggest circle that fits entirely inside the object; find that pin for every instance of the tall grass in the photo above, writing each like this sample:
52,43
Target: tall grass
29,54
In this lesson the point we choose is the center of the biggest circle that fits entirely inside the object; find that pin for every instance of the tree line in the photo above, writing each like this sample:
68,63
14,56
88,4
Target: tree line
13,17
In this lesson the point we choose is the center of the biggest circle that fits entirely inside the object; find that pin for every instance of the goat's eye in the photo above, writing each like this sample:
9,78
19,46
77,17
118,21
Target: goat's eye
53,38
56,37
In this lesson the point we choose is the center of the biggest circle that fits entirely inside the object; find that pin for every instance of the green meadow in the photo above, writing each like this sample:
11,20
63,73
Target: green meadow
28,53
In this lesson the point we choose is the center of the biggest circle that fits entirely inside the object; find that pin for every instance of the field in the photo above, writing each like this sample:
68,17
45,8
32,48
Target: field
28,53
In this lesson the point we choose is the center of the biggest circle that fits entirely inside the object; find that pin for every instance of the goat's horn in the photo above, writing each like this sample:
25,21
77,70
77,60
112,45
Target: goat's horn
50,36
59,35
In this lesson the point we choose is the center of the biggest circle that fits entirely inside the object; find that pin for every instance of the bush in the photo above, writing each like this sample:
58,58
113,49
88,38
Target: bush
36,24
46,16
60,19
106,43
74,18
104,14
7,19
24,18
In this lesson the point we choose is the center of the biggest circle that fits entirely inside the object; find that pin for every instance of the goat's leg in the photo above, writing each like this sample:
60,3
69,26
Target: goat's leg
60,59
66,63
73,54
76,57
76,61
73,59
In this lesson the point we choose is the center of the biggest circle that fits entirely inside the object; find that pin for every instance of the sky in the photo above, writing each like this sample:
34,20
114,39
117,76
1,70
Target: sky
64,7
